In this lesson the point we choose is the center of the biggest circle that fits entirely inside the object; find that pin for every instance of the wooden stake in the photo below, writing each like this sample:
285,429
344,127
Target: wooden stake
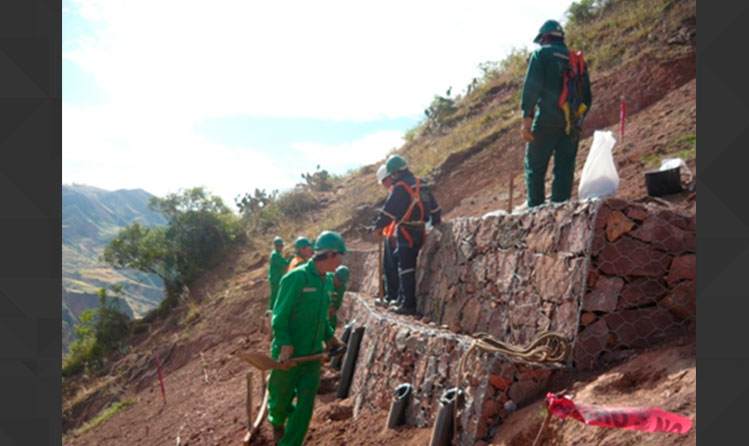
249,400
202,364
509,198
543,427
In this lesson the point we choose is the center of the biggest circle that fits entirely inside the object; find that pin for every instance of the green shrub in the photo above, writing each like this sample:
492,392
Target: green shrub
296,203
318,181
438,111
99,332
581,12
251,205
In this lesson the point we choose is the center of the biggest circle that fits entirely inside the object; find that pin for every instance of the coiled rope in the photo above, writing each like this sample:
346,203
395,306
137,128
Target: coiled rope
547,347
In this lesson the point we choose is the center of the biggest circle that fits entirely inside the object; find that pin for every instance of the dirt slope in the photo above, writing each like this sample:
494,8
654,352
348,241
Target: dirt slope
206,386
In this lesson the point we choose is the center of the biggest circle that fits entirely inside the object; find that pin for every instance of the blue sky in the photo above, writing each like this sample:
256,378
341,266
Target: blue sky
234,94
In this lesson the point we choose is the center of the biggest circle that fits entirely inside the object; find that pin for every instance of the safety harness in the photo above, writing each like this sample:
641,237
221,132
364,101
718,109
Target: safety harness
415,201
572,96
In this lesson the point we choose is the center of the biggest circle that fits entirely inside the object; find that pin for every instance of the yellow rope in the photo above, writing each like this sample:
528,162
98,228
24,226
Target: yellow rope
549,347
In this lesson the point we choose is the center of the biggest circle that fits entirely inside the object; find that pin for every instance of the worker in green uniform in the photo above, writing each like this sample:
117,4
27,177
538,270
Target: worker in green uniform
335,286
276,269
304,251
300,326
544,124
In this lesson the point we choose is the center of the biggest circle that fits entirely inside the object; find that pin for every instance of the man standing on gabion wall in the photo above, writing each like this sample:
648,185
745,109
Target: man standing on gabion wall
557,87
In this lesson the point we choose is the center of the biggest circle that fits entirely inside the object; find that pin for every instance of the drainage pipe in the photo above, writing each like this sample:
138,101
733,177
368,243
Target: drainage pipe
398,406
349,362
335,363
442,433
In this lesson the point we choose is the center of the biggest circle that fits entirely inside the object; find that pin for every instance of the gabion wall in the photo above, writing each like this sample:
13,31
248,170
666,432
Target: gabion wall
610,276
396,350
641,287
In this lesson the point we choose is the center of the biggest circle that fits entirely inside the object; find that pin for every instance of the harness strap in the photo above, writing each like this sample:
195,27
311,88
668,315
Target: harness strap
415,201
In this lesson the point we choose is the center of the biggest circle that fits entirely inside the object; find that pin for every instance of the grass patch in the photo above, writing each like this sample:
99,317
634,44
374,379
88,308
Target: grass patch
686,146
623,28
687,142
655,159
106,414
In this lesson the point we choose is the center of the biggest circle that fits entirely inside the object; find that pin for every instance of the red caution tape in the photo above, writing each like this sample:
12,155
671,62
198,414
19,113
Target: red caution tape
633,418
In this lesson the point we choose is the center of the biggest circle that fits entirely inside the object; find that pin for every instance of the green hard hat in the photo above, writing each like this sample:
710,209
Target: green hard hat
551,27
301,242
342,273
330,241
278,241
394,164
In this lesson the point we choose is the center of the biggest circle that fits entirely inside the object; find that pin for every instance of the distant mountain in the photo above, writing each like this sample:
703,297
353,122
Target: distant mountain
90,218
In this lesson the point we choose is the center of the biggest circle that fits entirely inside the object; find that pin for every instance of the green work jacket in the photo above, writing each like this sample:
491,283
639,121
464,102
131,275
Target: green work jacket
543,86
277,266
300,315
335,293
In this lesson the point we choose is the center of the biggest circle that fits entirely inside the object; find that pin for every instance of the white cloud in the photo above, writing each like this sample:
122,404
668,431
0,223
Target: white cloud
102,148
325,59
335,158
166,65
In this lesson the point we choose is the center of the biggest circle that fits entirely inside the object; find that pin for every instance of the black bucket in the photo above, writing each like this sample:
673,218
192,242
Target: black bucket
349,362
442,433
398,406
663,182
335,363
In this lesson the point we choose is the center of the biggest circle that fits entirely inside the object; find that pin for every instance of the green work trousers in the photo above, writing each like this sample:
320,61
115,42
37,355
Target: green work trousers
273,295
549,141
301,381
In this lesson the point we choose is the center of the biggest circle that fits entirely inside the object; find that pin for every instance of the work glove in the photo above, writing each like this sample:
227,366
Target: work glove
286,352
527,135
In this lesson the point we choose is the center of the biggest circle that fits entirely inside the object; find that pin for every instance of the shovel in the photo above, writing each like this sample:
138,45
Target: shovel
264,362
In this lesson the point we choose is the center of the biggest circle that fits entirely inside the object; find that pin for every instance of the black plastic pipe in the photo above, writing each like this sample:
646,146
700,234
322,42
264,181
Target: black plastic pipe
336,361
442,433
398,406
349,362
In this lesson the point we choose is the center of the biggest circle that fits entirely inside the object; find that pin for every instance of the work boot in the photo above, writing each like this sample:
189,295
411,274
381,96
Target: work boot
404,310
277,434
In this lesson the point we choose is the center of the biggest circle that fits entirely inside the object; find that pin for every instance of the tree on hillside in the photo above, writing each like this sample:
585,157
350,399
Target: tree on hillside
199,229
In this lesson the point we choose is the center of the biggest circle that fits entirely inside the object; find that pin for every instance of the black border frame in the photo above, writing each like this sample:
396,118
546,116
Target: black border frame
30,222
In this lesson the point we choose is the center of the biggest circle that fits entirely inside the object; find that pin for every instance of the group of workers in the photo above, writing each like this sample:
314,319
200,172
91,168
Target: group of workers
307,290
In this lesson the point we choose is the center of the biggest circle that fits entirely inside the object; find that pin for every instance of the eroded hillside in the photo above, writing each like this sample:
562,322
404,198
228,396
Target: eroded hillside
642,51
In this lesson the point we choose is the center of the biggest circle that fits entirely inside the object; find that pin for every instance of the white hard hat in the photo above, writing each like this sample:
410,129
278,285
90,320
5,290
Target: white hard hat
382,173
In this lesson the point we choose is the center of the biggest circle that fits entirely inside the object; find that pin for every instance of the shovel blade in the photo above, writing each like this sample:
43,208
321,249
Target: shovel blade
260,361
